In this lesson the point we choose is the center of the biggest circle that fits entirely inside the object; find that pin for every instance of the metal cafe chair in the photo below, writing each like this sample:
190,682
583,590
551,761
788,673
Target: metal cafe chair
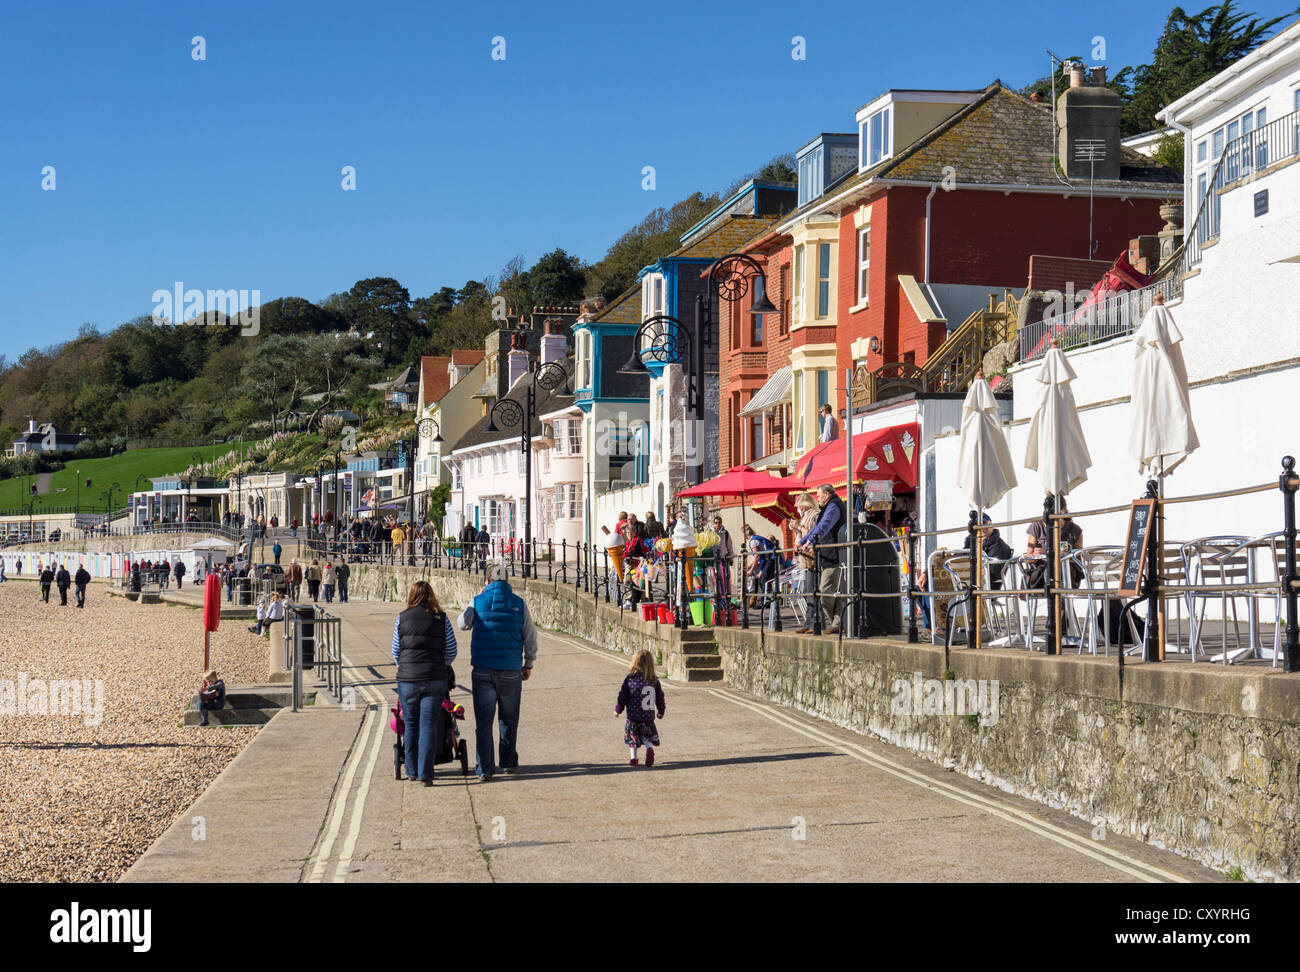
1028,567
1266,564
958,569
1101,567
1220,561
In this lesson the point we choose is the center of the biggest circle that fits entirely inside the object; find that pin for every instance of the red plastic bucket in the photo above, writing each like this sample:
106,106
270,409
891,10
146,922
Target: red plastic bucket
648,612
663,613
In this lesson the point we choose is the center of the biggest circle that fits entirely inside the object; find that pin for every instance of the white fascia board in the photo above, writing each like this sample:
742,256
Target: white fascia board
1230,84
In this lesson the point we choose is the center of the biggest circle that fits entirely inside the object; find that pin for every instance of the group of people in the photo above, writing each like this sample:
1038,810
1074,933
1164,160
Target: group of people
53,575
503,651
157,572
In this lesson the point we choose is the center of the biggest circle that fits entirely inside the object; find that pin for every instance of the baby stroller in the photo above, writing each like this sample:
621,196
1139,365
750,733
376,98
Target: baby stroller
452,746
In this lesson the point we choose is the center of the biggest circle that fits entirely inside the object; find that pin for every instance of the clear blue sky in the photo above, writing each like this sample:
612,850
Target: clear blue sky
225,173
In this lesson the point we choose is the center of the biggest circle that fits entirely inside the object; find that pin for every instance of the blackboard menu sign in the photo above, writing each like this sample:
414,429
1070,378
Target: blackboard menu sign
1136,541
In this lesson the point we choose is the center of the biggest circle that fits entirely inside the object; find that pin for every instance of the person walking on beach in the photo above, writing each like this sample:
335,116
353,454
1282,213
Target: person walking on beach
276,550
641,695
293,580
81,579
64,580
424,646
327,581
180,573
47,578
502,649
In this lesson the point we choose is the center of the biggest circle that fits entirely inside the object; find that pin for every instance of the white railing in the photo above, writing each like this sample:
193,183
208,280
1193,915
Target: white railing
1114,316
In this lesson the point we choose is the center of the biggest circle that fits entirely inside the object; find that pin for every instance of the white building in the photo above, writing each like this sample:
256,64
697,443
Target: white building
487,466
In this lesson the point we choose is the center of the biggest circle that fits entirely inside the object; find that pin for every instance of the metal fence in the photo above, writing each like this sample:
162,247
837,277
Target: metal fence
1063,599
313,640
1108,318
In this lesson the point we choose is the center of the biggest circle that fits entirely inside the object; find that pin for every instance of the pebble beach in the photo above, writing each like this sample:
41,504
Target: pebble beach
84,793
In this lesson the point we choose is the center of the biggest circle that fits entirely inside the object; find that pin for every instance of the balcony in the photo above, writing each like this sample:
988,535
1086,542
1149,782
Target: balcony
1244,158
1109,318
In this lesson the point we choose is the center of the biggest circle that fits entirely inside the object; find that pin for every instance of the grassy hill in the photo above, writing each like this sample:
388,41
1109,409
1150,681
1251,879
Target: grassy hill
121,469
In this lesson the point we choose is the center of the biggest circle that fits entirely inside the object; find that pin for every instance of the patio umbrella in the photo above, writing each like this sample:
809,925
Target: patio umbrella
1057,450
985,470
1162,434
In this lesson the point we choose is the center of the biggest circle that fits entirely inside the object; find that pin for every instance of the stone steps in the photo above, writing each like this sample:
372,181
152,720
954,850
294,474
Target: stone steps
249,705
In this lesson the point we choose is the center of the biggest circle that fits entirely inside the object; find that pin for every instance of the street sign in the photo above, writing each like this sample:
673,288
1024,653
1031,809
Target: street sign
1136,540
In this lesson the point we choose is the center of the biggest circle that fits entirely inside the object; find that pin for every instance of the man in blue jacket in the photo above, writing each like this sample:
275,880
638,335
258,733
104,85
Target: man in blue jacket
828,531
502,648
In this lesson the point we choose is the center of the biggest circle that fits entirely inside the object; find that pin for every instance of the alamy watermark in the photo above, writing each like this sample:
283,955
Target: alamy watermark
241,308
25,696
946,697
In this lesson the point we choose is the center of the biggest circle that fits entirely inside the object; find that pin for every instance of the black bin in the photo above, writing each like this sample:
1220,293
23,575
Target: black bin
306,615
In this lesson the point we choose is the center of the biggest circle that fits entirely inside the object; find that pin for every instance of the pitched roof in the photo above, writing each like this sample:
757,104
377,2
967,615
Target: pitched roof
465,357
1002,138
624,309
547,401
999,139
730,235
434,380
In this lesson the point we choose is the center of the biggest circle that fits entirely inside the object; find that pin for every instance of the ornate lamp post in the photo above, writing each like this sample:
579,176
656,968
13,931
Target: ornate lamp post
509,413
426,428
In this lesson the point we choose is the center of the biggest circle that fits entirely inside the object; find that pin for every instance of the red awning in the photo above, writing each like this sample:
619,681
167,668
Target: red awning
775,509
884,454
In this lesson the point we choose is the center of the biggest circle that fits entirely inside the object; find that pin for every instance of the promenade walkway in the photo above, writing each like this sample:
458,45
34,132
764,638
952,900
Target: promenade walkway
742,791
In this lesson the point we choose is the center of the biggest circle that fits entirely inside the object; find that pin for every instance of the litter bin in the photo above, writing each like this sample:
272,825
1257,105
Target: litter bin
243,591
306,623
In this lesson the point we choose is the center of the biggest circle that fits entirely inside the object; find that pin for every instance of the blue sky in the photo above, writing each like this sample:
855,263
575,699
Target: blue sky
225,173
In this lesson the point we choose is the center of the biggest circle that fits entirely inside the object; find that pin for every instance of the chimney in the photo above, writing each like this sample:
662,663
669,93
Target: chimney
553,344
1087,116
518,359
31,425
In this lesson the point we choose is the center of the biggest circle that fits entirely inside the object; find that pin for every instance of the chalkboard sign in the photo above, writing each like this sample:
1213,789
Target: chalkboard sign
1135,547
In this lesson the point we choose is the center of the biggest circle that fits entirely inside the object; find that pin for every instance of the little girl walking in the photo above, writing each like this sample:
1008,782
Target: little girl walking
641,695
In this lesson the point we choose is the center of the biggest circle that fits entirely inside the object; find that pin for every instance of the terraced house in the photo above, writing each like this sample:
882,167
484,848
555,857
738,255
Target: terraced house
910,249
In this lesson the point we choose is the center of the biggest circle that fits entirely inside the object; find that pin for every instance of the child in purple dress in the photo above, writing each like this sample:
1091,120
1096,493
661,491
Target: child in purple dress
641,695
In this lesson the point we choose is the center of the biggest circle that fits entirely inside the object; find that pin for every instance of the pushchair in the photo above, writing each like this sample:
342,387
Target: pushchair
452,746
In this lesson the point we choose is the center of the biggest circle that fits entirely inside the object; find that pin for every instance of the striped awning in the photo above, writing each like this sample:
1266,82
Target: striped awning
775,392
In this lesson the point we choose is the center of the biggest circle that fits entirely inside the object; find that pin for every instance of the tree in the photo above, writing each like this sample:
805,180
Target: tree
657,235
1192,49
516,286
557,279
381,306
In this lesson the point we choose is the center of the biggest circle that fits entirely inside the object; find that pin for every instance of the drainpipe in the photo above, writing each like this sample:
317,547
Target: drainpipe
934,187
1188,174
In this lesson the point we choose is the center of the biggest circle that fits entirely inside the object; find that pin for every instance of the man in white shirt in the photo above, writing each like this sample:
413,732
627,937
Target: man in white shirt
830,427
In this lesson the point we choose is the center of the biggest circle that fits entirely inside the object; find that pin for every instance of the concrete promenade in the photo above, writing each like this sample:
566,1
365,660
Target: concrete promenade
743,790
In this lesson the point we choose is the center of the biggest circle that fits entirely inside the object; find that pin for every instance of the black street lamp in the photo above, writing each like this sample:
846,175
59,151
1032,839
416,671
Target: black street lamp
426,428
510,413
729,276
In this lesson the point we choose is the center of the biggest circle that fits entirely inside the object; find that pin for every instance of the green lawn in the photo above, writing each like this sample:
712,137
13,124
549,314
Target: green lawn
122,469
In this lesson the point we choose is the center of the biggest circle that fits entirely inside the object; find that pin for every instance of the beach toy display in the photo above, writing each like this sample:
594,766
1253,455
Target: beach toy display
684,543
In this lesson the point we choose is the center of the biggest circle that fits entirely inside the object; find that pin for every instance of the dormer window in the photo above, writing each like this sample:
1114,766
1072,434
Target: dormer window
652,295
810,175
876,136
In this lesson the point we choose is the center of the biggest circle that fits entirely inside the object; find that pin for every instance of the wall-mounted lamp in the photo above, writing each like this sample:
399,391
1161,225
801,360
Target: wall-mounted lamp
874,345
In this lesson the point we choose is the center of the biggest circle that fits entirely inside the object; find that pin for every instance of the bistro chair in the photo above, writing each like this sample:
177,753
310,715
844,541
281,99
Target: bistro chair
1213,562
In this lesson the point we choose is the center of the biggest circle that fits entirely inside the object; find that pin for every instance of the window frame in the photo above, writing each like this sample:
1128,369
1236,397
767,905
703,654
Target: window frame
824,283
864,264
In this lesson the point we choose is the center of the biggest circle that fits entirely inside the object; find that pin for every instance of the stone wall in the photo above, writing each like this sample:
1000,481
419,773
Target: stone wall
1200,760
